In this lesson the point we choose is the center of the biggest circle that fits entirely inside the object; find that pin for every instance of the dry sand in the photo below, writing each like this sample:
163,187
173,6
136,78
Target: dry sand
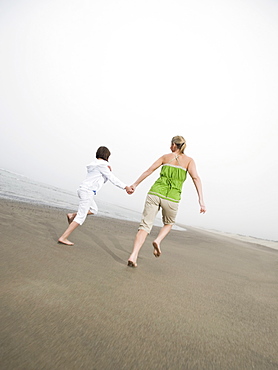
209,302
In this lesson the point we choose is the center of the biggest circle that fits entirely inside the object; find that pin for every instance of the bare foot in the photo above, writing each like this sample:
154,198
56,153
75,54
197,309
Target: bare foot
71,217
65,242
131,263
157,251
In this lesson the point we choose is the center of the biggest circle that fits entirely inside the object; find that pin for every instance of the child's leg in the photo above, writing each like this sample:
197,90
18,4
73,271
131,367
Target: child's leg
84,209
71,217
64,238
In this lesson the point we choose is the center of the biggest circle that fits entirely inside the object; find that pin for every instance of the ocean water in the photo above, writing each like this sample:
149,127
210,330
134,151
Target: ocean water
20,188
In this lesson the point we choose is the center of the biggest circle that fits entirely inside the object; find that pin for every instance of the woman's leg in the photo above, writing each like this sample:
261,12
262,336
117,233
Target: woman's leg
138,242
162,233
169,213
151,208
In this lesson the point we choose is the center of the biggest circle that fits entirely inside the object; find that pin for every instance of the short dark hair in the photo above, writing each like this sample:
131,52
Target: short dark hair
103,153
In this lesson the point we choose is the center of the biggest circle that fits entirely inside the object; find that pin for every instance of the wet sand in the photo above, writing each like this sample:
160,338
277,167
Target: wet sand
209,301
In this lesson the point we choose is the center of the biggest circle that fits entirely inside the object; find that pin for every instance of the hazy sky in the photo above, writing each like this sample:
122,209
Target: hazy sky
130,75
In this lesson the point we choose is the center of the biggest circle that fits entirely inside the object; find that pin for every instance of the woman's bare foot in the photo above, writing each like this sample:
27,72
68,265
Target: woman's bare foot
157,250
65,242
71,217
131,263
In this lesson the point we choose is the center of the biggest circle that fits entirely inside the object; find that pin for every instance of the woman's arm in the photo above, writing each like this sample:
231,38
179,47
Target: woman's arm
148,172
198,184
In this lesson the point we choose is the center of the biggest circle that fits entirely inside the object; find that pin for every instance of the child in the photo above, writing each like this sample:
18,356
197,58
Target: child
98,172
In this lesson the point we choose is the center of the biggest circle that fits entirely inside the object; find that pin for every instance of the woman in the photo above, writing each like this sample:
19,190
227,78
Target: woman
98,172
166,194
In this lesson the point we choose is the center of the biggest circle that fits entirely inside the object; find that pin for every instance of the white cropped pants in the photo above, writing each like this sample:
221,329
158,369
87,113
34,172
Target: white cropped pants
86,204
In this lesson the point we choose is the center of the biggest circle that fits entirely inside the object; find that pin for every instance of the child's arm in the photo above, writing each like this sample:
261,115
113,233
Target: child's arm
108,175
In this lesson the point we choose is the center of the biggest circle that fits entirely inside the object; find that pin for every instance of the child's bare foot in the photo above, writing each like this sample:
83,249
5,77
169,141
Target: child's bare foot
71,217
157,250
65,241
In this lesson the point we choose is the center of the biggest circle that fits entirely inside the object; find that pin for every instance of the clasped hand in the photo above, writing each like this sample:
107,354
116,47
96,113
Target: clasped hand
130,189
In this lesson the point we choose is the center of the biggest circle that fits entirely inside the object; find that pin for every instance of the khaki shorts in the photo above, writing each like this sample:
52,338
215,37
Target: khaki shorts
152,206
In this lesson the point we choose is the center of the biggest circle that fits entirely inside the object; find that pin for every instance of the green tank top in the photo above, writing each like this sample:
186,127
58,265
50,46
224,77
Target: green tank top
169,185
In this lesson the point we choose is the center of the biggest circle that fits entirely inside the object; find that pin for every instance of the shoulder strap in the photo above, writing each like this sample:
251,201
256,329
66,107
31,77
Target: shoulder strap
176,158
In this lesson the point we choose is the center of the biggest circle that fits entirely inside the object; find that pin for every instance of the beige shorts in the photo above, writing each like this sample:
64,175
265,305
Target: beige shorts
152,206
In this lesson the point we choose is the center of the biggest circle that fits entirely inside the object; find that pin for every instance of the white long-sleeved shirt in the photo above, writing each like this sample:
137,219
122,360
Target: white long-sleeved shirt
97,174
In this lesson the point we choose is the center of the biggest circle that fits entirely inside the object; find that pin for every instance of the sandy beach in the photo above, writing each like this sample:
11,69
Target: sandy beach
209,301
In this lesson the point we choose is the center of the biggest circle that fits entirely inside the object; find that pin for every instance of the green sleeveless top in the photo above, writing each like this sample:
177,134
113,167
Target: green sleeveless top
169,185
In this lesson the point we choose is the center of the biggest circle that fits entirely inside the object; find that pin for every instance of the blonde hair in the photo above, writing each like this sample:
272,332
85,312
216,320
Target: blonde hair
180,143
